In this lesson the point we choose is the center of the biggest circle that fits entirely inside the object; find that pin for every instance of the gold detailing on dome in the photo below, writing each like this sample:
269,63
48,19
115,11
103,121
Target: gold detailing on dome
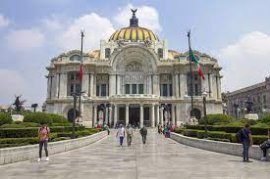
133,34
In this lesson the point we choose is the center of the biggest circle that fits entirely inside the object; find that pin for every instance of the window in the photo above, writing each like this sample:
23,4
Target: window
164,89
140,88
103,89
127,90
74,84
134,88
107,53
75,58
160,53
195,85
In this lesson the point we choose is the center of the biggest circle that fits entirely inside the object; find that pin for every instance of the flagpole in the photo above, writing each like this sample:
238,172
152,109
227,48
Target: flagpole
81,63
191,73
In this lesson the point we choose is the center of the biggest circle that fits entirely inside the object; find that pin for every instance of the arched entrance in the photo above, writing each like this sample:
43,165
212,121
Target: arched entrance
196,112
71,114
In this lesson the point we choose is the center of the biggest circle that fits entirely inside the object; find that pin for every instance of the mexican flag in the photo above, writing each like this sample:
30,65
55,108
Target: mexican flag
196,61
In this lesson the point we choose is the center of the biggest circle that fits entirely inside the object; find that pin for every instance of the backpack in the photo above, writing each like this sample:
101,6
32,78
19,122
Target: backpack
239,136
265,145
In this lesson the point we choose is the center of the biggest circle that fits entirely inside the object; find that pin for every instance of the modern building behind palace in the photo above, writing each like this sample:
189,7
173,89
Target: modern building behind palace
133,79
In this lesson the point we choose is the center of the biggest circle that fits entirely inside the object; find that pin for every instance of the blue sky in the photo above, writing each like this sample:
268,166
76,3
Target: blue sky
34,31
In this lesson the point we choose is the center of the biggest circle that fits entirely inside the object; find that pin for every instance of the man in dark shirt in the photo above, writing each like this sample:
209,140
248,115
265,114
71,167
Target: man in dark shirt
246,141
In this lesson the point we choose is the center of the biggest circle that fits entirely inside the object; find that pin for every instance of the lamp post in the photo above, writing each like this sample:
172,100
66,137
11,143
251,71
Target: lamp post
204,94
75,95
74,114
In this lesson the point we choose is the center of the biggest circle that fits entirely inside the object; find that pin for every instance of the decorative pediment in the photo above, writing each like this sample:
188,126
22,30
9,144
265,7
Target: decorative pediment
134,67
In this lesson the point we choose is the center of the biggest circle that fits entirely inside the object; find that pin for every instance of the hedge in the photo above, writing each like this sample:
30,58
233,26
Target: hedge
32,131
216,135
5,118
41,117
213,119
230,129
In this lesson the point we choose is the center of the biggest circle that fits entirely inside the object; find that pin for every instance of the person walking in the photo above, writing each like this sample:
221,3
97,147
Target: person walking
106,127
43,135
246,142
143,132
121,134
129,135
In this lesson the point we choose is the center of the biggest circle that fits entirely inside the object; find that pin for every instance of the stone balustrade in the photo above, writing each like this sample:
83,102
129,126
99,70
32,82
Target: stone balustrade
15,154
217,146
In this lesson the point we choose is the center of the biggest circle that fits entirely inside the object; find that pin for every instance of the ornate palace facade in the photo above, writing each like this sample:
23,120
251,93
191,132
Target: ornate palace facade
133,79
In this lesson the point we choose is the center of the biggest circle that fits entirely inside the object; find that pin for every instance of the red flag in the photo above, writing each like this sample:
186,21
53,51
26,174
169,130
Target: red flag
81,72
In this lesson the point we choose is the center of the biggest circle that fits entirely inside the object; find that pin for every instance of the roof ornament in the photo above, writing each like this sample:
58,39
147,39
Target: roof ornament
134,21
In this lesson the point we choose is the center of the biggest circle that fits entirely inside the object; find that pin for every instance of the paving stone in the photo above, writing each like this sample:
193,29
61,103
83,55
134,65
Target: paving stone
158,159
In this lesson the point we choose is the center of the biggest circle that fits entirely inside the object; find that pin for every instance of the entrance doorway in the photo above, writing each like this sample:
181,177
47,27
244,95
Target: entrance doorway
134,116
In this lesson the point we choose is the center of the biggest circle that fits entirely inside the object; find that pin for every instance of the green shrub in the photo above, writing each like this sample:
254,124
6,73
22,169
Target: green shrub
33,131
28,140
179,130
265,119
216,119
220,135
190,132
258,139
201,134
20,125
61,124
262,125
5,118
41,117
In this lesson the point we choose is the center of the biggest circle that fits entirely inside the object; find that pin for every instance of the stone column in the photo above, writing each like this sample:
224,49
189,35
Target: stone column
94,87
150,85
184,88
56,85
95,116
91,85
161,116
153,116
118,84
110,116
112,83
63,85
173,114
141,115
176,85
157,111
85,83
127,114
115,115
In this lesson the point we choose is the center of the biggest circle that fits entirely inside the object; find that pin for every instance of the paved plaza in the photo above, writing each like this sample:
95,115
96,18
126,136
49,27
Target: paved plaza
159,158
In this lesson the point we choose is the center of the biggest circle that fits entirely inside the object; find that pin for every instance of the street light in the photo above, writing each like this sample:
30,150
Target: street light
204,94
75,95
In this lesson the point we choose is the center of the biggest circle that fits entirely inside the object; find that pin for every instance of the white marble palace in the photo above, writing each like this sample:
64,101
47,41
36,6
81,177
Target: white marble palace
133,79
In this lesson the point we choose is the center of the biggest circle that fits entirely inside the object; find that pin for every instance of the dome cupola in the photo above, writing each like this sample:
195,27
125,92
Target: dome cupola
134,32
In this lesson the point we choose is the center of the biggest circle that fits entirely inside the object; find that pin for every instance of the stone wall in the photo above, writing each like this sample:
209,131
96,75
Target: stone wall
216,146
15,154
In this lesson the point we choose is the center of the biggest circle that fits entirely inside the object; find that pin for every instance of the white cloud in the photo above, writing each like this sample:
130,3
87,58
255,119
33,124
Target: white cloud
4,22
246,62
12,83
25,39
52,24
148,17
95,28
